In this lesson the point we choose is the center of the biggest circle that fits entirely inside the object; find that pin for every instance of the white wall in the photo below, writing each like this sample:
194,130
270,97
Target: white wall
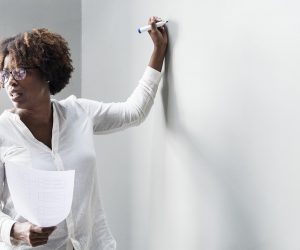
106,76
216,164
63,17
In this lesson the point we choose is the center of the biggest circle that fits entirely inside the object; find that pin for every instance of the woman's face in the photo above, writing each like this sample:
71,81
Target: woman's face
29,92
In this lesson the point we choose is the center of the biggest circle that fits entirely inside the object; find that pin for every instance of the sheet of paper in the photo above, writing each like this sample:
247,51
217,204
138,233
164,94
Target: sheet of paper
44,198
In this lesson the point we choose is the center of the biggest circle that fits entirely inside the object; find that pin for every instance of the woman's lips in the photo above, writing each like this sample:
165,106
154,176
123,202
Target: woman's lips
16,96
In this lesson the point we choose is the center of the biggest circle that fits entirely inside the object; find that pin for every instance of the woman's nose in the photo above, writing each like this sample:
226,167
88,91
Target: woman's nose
11,80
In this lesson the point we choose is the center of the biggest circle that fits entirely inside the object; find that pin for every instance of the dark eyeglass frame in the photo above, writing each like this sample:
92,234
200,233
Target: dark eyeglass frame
14,74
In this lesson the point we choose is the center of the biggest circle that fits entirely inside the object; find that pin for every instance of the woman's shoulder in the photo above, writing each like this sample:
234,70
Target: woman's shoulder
65,101
74,102
69,105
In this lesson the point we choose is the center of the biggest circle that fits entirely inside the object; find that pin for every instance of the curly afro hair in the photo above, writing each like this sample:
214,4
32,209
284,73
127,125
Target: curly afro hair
47,51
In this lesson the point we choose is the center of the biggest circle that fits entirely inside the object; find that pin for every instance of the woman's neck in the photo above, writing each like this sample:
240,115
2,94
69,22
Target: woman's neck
40,114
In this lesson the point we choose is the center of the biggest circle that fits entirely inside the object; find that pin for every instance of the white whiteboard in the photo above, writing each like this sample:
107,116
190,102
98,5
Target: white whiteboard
216,164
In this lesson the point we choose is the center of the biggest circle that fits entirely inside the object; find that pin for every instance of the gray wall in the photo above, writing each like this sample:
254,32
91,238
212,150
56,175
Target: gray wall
216,164
63,17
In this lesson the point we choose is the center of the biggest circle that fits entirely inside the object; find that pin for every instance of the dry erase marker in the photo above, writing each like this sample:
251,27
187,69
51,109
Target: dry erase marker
148,27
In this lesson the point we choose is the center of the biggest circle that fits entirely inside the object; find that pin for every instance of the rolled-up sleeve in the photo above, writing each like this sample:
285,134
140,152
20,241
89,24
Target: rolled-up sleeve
6,222
115,116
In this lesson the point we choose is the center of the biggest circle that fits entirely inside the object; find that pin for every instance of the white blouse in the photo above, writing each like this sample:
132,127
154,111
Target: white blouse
75,121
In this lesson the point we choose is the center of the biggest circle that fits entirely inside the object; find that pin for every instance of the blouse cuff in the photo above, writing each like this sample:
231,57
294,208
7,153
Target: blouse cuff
151,76
5,232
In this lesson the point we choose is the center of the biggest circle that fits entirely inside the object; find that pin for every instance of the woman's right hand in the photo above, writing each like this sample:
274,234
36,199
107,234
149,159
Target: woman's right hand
30,233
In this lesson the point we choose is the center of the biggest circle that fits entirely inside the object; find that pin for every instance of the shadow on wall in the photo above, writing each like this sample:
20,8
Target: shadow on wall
205,161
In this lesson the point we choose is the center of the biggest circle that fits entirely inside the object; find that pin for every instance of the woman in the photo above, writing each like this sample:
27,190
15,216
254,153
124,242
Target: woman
35,65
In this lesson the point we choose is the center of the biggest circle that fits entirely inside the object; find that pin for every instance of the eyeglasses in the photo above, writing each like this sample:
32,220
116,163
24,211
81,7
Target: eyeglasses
17,73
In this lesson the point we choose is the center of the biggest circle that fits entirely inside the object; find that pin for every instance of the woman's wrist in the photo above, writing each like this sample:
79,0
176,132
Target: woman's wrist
12,230
15,231
160,48
157,58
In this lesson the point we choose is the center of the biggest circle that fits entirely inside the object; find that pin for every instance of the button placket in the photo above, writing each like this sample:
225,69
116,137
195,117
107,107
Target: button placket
60,166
